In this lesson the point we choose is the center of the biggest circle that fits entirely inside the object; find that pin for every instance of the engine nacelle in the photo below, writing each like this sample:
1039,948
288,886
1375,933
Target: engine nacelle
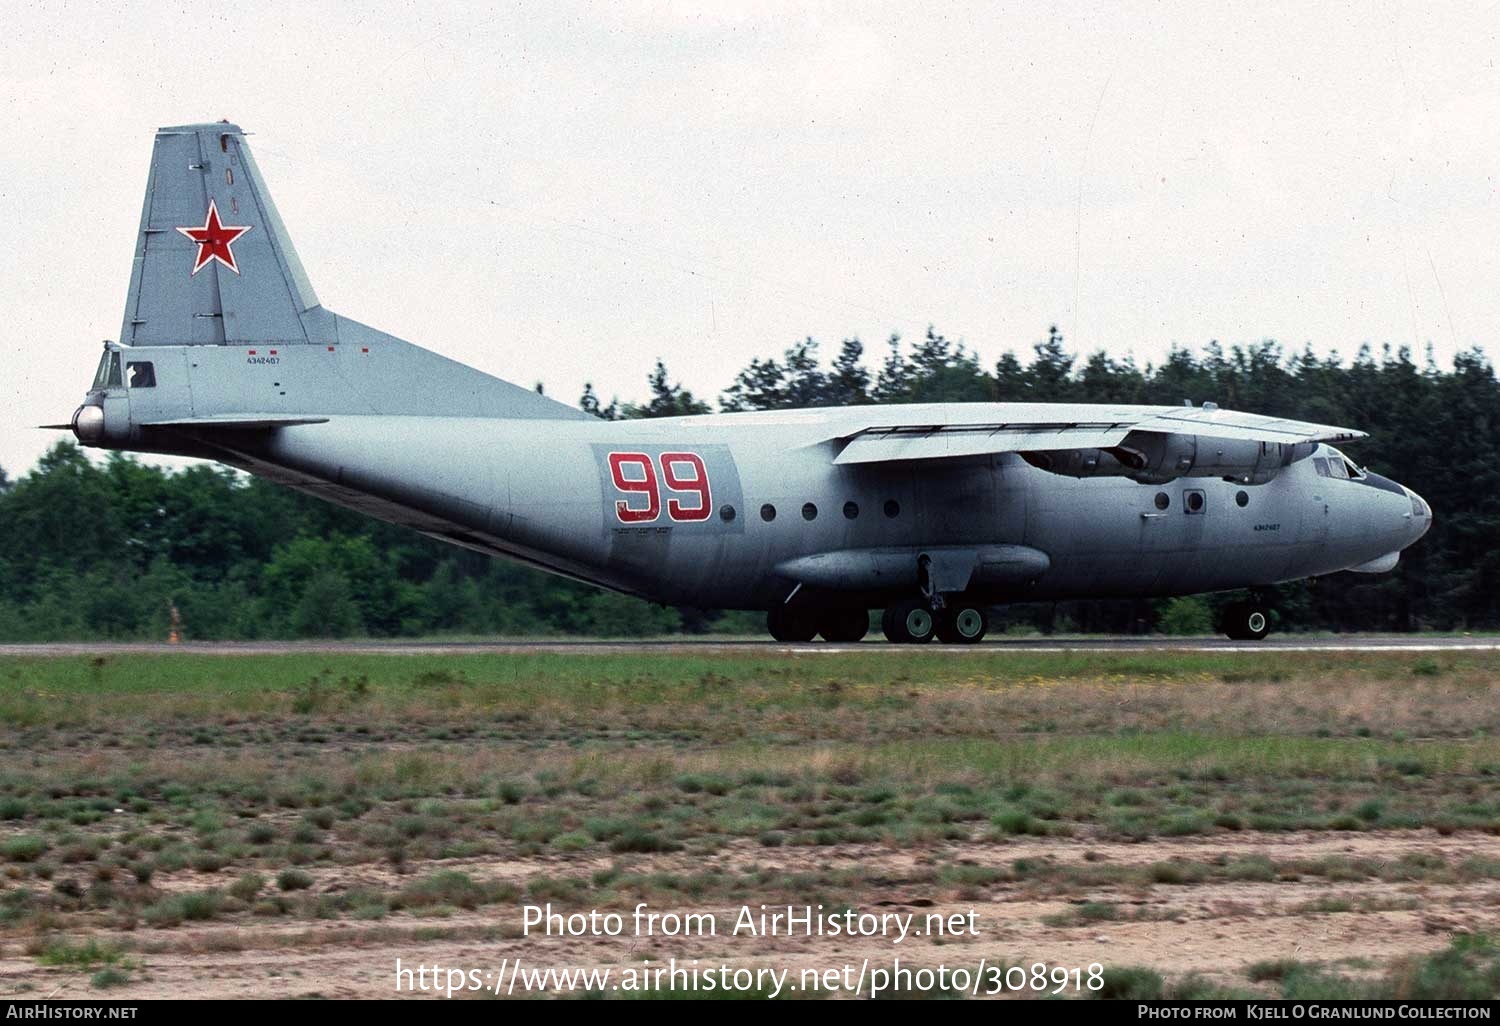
1153,458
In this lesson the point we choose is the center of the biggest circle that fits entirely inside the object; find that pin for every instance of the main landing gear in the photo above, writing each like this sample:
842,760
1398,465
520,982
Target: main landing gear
1246,621
908,622
794,624
915,622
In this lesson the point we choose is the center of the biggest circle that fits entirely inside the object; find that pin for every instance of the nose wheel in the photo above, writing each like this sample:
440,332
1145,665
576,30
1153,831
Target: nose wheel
1246,621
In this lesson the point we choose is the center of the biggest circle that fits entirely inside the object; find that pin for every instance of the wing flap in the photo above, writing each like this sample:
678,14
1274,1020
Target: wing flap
884,445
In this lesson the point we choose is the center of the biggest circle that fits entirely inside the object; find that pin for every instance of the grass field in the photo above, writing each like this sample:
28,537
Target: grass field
1260,823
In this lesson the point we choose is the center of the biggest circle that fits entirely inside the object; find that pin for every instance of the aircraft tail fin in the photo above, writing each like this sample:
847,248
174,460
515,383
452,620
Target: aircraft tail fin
213,261
214,266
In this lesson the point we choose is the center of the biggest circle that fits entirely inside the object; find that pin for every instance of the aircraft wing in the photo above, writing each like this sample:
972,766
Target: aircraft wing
891,434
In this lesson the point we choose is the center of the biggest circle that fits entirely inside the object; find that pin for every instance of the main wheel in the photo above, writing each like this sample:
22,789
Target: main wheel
792,625
908,622
844,625
962,624
1246,621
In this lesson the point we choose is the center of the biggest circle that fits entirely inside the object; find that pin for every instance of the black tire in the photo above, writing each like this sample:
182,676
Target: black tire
962,625
1246,621
790,625
888,625
909,622
844,626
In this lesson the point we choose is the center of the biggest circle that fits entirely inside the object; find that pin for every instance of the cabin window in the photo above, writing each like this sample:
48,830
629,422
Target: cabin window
851,510
1338,468
892,508
140,374
1163,500
1193,501
1242,499
727,514
1321,466
809,511
768,512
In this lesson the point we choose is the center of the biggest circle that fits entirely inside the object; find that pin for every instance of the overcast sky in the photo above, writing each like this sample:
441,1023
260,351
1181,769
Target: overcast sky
565,192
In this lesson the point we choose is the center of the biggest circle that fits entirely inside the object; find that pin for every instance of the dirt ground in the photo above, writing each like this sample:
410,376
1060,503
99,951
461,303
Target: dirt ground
1214,928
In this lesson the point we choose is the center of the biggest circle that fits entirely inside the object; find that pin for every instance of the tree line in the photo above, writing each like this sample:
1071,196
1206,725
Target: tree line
107,549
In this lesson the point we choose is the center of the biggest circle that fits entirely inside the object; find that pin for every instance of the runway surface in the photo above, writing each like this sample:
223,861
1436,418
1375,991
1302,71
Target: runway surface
1093,643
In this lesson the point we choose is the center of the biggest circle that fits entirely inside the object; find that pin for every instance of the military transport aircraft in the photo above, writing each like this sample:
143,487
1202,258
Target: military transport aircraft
932,513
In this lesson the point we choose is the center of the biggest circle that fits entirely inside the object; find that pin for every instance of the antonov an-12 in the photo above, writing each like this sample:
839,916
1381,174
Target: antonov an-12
931,513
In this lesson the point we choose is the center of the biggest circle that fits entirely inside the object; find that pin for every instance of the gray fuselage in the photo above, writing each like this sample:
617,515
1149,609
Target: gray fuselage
543,492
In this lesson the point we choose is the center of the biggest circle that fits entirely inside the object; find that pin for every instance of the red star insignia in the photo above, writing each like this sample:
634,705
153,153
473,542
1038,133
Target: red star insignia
214,240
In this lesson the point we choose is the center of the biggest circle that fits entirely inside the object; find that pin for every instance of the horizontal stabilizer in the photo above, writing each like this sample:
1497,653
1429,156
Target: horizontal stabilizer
241,422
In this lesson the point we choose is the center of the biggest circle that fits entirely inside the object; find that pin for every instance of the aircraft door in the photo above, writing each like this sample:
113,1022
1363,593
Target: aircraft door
1148,562
1313,530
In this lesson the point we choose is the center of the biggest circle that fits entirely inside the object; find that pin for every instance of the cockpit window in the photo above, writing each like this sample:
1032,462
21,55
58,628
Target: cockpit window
1320,465
140,375
108,374
1343,467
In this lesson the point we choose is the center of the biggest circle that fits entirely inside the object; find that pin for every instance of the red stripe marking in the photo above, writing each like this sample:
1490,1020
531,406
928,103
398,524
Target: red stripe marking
252,352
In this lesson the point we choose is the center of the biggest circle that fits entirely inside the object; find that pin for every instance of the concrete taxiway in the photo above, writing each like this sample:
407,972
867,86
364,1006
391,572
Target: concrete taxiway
1079,643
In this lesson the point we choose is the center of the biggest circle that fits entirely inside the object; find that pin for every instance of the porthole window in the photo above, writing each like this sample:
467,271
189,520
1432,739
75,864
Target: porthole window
726,514
892,508
809,511
1163,500
1193,500
851,510
1242,499
768,512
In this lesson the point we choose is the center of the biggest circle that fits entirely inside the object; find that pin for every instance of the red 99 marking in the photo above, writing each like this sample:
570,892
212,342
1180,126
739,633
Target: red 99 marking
697,484
640,481
684,472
